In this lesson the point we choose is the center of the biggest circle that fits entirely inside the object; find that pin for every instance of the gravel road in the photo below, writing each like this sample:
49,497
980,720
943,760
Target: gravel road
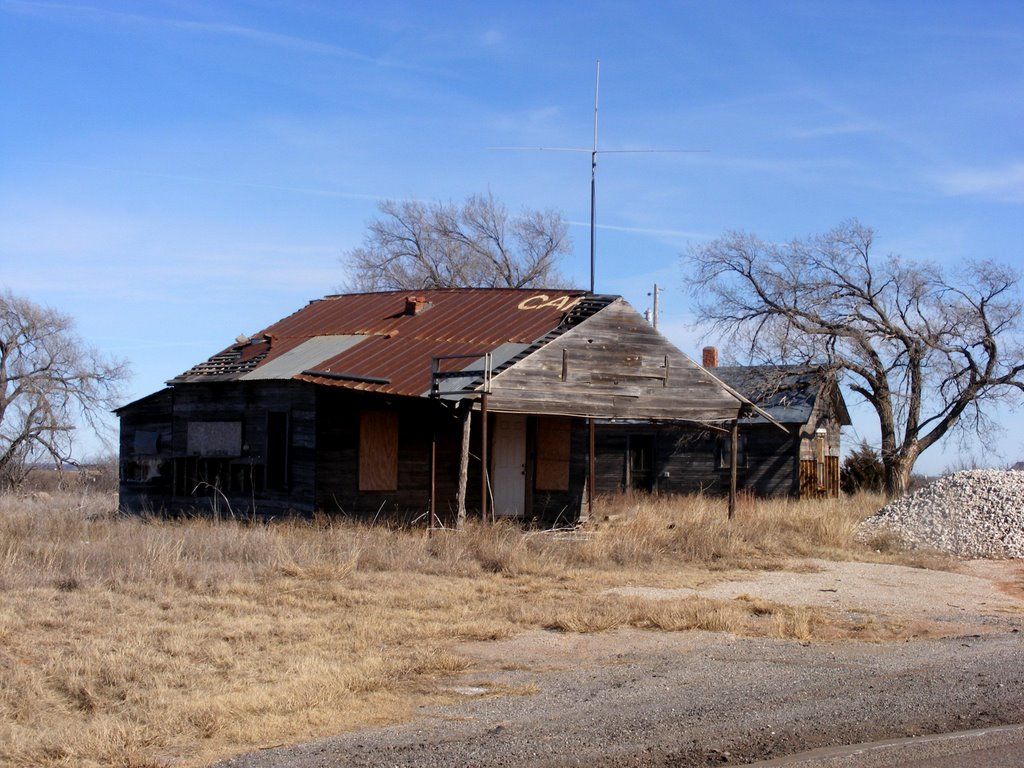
635,698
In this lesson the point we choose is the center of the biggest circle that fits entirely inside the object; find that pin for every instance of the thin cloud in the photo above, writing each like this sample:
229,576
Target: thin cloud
491,38
841,129
644,230
1005,184
313,191
291,42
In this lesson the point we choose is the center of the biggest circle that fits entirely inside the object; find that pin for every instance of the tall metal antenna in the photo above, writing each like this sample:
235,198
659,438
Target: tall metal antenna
593,181
594,152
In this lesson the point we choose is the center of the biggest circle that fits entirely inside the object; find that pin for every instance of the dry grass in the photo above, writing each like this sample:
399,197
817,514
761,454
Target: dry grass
134,642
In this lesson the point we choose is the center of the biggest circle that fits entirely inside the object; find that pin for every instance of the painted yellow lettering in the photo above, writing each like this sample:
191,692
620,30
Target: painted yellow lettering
534,302
543,301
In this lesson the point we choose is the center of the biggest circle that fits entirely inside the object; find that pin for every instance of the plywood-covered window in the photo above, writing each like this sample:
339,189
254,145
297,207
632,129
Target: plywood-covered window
378,451
147,442
554,440
214,438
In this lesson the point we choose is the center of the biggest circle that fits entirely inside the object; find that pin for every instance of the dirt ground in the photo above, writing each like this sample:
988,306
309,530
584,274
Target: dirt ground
646,698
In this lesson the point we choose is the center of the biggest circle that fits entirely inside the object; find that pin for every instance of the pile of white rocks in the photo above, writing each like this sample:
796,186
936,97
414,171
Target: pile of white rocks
977,513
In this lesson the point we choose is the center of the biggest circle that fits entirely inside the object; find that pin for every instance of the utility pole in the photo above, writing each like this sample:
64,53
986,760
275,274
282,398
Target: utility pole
654,311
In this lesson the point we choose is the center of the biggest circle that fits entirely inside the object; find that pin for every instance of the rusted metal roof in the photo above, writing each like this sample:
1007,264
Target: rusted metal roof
384,342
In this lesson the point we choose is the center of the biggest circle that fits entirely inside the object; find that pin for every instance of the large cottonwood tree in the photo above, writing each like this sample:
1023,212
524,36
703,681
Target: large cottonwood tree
931,350
50,382
418,245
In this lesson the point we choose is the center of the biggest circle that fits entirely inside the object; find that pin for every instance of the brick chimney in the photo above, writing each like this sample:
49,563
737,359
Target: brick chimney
710,357
415,304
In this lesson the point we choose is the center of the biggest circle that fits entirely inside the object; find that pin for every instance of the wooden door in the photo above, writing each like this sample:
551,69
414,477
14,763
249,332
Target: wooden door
508,464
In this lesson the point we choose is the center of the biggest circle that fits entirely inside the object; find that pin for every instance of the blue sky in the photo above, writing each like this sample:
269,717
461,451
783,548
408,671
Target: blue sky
174,173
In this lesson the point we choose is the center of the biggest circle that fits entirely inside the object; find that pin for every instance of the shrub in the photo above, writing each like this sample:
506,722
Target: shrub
862,470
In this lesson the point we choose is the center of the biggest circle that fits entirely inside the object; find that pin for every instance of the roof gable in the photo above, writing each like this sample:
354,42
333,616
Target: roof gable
613,365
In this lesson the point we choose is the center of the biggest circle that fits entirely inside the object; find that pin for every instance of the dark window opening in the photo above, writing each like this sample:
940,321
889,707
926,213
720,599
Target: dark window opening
142,470
212,477
277,451
641,462
725,455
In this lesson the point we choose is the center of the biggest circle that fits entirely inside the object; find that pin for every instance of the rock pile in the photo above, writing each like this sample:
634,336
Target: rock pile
978,513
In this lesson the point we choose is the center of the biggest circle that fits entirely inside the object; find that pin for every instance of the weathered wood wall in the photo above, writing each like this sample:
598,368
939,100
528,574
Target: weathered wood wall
819,481
419,420
146,467
223,483
612,365
687,460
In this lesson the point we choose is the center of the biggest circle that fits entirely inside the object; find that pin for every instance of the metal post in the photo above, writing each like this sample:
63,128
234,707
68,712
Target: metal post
593,182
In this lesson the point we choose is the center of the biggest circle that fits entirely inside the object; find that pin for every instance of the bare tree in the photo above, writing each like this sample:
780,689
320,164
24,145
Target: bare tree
440,245
49,381
929,351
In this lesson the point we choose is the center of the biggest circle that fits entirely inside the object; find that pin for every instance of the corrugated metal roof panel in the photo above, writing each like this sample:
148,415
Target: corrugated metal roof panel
396,345
309,354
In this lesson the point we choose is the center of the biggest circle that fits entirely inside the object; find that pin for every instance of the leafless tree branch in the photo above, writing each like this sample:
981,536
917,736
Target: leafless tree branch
416,245
50,380
929,351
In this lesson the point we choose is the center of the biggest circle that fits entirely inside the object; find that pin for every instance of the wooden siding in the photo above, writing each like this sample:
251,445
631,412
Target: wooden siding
419,421
146,476
819,481
227,485
612,365
553,508
686,460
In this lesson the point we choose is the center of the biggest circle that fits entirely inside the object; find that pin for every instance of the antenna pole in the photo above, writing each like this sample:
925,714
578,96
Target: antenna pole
593,179
655,313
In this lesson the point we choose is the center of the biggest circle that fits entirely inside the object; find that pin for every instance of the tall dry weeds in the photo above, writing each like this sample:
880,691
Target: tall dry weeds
138,642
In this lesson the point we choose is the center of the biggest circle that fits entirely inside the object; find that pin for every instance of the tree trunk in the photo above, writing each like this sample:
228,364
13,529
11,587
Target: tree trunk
897,475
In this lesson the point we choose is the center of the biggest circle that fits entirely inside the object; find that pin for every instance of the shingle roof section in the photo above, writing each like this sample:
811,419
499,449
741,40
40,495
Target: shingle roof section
787,393
385,341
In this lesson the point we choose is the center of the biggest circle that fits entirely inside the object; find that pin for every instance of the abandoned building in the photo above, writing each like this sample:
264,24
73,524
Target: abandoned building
801,460
419,407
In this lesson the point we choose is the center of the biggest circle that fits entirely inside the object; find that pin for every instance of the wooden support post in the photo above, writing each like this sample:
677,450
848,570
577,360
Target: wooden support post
466,406
733,458
485,485
433,478
591,471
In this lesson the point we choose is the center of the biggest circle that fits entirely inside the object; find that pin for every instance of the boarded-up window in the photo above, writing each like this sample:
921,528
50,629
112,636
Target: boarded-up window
147,442
378,451
553,448
215,438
